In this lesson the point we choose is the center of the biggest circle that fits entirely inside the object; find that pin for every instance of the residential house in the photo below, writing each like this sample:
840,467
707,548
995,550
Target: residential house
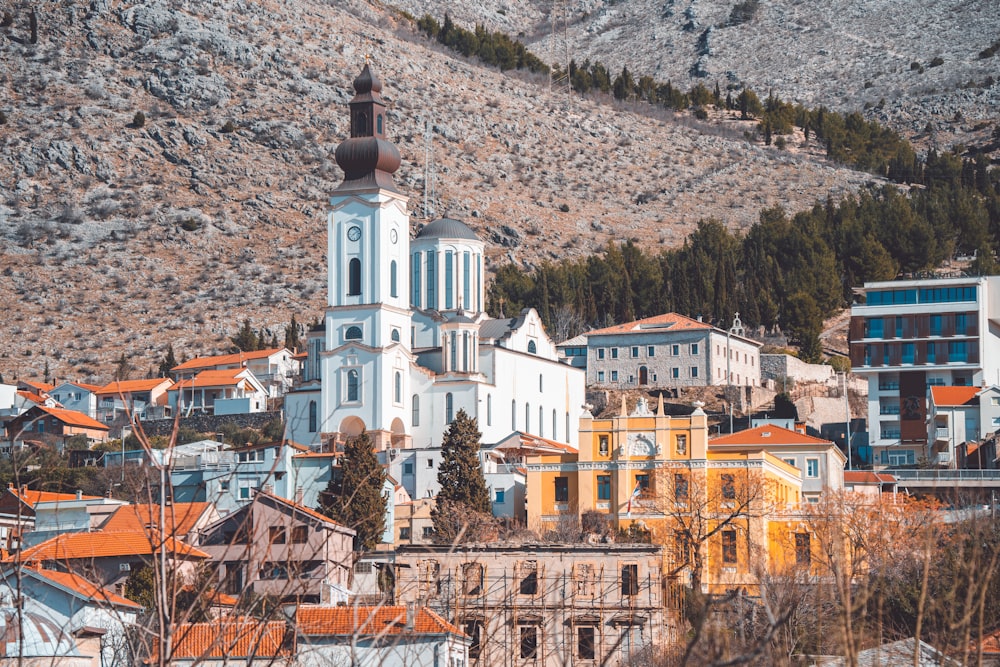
17,512
184,521
669,350
77,396
543,604
231,391
142,399
908,335
67,611
8,401
54,425
229,641
869,482
273,546
57,513
957,416
384,635
275,368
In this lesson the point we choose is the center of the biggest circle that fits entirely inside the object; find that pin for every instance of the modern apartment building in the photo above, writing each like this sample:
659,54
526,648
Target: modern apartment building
908,335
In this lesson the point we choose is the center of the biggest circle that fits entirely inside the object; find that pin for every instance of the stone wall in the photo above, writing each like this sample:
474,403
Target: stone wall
776,366
211,423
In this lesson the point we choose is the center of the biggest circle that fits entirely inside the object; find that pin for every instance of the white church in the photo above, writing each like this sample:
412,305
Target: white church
406,341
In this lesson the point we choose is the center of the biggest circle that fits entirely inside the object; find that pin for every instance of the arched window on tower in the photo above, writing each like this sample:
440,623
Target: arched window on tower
532,348
513,415
354,277
415,418
449,408
378,124
352,385
489,409
392,279
541,421
527,418
313,417
394,335
415,263
398,388
353,333
555,426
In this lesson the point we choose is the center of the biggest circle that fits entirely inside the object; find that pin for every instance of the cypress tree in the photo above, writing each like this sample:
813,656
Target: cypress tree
460,475
354,498
169,361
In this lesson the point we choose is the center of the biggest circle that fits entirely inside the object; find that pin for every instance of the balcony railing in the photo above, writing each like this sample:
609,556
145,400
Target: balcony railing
902,474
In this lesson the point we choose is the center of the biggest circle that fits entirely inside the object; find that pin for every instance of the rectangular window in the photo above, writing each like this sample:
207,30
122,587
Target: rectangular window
961,322
682,547
247,487
630,579
449,279
675,350
675,372
430,463
650,351
300,534
416,279
680,487
642,481
428,532
276,534
614,353
432,302
600,353
729,547
682,444
812,467
728,487
408,468
562,489
614,376
791,462
956,350
803,551
472,578
694,348
602,447
694,371
404,532
466,281
907,353
529,641
475,631
635,351
585,642
604,487
600,376
935,325
529,578
500,496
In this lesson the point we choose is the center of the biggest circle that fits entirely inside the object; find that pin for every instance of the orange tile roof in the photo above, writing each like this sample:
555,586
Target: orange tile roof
32,497
231,637
540,445
100,544
991,644
210,378
225,359
658,323
44,387
954,395
867,477
314,455
126,386
381,620
73,418
180,518
34,398
766,435
84,588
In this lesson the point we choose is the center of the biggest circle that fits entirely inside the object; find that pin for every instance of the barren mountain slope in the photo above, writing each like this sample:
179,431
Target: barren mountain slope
840,53
119,238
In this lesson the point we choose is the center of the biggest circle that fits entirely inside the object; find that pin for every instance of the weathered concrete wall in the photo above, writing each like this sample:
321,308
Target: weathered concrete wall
774,366
211,423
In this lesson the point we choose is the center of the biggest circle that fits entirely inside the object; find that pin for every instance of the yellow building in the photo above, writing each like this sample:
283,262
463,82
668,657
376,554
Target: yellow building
717,511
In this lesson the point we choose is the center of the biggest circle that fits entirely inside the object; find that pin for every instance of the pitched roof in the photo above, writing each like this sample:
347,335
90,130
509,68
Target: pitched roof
229,637
867,477
82,587
225,359
103,544
32,497
93,388
380,620
180,518
519,440
658,323
301,508
39,386
73,418
211,378
768,435
34,398
954,395
127,386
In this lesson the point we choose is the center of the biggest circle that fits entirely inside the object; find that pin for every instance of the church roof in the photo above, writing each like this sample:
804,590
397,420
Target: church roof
447,228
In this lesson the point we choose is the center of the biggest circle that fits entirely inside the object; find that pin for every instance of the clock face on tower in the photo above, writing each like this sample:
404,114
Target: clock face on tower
393,236
354,233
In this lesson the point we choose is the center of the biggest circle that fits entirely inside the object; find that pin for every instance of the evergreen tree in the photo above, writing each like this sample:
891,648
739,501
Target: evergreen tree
246,340
169,361
292,341
354,498
123,369
460,475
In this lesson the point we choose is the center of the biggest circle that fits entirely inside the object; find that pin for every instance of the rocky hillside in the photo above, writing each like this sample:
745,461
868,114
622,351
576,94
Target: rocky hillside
164,168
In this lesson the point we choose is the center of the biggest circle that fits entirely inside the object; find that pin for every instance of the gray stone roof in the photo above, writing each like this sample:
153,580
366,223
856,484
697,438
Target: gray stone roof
447,228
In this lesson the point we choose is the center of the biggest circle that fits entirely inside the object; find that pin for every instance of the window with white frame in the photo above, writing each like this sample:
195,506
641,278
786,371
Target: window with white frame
694,348
812,467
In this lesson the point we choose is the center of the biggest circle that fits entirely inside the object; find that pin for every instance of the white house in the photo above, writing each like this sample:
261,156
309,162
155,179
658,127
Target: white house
230,391
958,415
275,368
77,396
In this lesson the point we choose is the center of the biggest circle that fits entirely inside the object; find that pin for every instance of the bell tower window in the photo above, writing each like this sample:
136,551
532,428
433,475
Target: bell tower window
354,277
392,279
378,125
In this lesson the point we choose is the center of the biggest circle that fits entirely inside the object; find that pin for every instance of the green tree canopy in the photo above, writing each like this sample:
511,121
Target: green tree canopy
463,486
354,497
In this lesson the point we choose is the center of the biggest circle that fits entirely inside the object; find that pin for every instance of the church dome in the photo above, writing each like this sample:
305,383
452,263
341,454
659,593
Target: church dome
39,637
460,318
447,228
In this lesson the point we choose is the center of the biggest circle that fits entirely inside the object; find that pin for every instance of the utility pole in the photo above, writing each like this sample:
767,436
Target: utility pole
847,415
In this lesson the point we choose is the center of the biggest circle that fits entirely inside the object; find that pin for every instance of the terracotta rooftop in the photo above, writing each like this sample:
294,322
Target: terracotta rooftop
32,497
536,445
381,620
103,544
73,418
127,386
211,378
225,359
43,387
768,434
867,477
84,588
955,395
180,518
34,398
231,637
656,324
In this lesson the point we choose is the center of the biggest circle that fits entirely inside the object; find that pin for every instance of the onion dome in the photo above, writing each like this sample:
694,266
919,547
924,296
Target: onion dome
367,158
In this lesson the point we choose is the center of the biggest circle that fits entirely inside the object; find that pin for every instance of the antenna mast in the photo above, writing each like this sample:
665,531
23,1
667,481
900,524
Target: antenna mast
427,167
559,44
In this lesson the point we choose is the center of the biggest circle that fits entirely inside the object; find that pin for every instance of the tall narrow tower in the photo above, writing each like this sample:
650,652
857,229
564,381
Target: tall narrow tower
365,370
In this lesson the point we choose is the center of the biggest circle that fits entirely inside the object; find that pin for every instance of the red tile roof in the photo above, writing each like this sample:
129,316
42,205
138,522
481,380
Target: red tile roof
225,359
101,544
236,637
32,497
954,395
126,386
73,418
34,398
180,518
867,477
537,445
382,620
84,588
767,435
211,378
44,387
665,322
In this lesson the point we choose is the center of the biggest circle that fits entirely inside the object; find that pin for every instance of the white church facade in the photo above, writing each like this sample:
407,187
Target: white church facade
406,341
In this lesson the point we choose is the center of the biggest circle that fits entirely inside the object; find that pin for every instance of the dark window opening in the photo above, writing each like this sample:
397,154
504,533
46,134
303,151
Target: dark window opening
562,489
529,641
630,579
729,547
354,277
585,636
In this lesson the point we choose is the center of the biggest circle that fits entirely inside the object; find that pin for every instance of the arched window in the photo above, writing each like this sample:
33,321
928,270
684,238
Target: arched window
540,376
454,351
513,415
541,421
527,418
398,388
532,348
352,385
465,351
354,277
394,335
353,333
449,408
392,279
416,279
432,280
555,425
415,419
449,279
378,124
312,417
489,409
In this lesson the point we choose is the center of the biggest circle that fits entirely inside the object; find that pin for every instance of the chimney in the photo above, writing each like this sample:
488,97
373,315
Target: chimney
79,494
411,614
